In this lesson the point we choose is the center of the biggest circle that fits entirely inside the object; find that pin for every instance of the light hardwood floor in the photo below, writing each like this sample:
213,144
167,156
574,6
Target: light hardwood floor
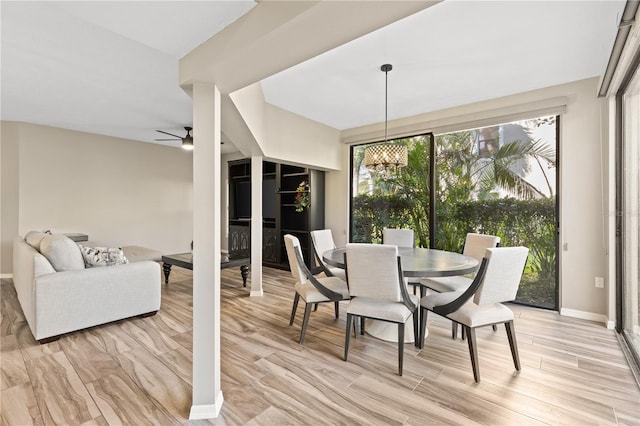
138,371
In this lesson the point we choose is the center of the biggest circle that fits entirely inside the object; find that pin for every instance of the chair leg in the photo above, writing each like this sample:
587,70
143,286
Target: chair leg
348,336
473,351
296,299
454,330
355,326
423,326
511,334
495,327
400,347
315,308
337,306
416,328
423,291
305,321
362,326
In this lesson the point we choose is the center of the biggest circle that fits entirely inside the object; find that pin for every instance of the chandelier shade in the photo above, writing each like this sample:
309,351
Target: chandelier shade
385,157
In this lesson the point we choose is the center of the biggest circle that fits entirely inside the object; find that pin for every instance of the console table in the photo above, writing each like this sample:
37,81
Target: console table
185,260
77,237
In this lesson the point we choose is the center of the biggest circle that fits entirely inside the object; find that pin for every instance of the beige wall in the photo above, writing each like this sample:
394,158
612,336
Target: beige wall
118,191
583,211
294,139
284,136
9,188
581,196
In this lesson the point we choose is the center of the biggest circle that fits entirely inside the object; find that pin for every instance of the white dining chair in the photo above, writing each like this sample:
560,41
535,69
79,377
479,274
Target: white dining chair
311,289
401,238
481,304
377,290
322,241
398,237
475,245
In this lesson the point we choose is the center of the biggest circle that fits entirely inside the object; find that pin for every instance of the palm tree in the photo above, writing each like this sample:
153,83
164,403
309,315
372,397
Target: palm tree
503,169
508,167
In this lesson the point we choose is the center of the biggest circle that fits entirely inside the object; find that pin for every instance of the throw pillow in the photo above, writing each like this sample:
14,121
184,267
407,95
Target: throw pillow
34,238
102,256
61,252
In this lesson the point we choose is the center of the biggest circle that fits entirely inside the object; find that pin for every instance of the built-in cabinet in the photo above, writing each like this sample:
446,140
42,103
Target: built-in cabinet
280,183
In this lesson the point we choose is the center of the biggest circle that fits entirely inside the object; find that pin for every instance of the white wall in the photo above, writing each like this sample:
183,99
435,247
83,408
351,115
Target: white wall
581,196
118,191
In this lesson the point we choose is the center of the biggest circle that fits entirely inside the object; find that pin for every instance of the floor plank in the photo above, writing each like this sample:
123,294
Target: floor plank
139,370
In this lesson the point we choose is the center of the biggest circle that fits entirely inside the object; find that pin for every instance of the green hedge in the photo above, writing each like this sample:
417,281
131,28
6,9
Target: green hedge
372,213
530,223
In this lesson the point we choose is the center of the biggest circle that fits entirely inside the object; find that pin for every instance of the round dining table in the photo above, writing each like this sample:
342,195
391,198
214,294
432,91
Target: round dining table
416,262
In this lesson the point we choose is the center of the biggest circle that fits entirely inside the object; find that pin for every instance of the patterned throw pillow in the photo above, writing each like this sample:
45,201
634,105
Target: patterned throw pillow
102,256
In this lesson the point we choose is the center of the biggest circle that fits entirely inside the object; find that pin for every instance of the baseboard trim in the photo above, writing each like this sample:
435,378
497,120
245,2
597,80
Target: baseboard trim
589,316
209,411
6,276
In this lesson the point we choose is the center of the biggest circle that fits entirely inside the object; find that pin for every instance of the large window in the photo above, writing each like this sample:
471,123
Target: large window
497,180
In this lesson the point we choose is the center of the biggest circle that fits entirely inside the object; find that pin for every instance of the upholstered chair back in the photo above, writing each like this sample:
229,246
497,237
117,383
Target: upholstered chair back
372,271
322,241
398,237
292,244
475,245
502,278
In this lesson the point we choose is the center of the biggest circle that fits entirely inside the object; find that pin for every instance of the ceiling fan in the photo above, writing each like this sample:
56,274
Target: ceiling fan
187,140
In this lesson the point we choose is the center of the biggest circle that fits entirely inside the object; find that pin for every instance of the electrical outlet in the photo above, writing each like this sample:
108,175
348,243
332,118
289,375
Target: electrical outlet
599,282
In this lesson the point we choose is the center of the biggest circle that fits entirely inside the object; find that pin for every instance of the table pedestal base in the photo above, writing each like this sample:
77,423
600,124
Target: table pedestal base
388,331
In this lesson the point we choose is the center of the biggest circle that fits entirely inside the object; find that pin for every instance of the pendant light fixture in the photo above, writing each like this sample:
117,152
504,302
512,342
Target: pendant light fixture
385,157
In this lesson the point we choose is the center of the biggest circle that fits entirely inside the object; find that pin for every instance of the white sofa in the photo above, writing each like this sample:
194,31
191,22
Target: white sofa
59,295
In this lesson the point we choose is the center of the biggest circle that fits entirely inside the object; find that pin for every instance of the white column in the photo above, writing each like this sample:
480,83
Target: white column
256,226
207,393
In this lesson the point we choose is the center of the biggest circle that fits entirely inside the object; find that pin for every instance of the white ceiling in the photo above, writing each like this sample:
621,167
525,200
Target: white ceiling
112,67
104,67
453,53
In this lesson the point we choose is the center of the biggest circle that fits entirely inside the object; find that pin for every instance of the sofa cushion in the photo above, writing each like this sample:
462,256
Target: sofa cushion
102,256
61,252
34,238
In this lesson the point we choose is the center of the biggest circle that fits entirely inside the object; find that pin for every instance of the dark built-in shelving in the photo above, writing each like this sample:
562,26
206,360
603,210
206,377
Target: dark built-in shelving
279,189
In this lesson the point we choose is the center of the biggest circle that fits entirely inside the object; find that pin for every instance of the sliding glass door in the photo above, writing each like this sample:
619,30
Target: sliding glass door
629,294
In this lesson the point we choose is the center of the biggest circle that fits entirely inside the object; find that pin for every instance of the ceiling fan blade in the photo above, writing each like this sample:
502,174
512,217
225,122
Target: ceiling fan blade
166,140
170,134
